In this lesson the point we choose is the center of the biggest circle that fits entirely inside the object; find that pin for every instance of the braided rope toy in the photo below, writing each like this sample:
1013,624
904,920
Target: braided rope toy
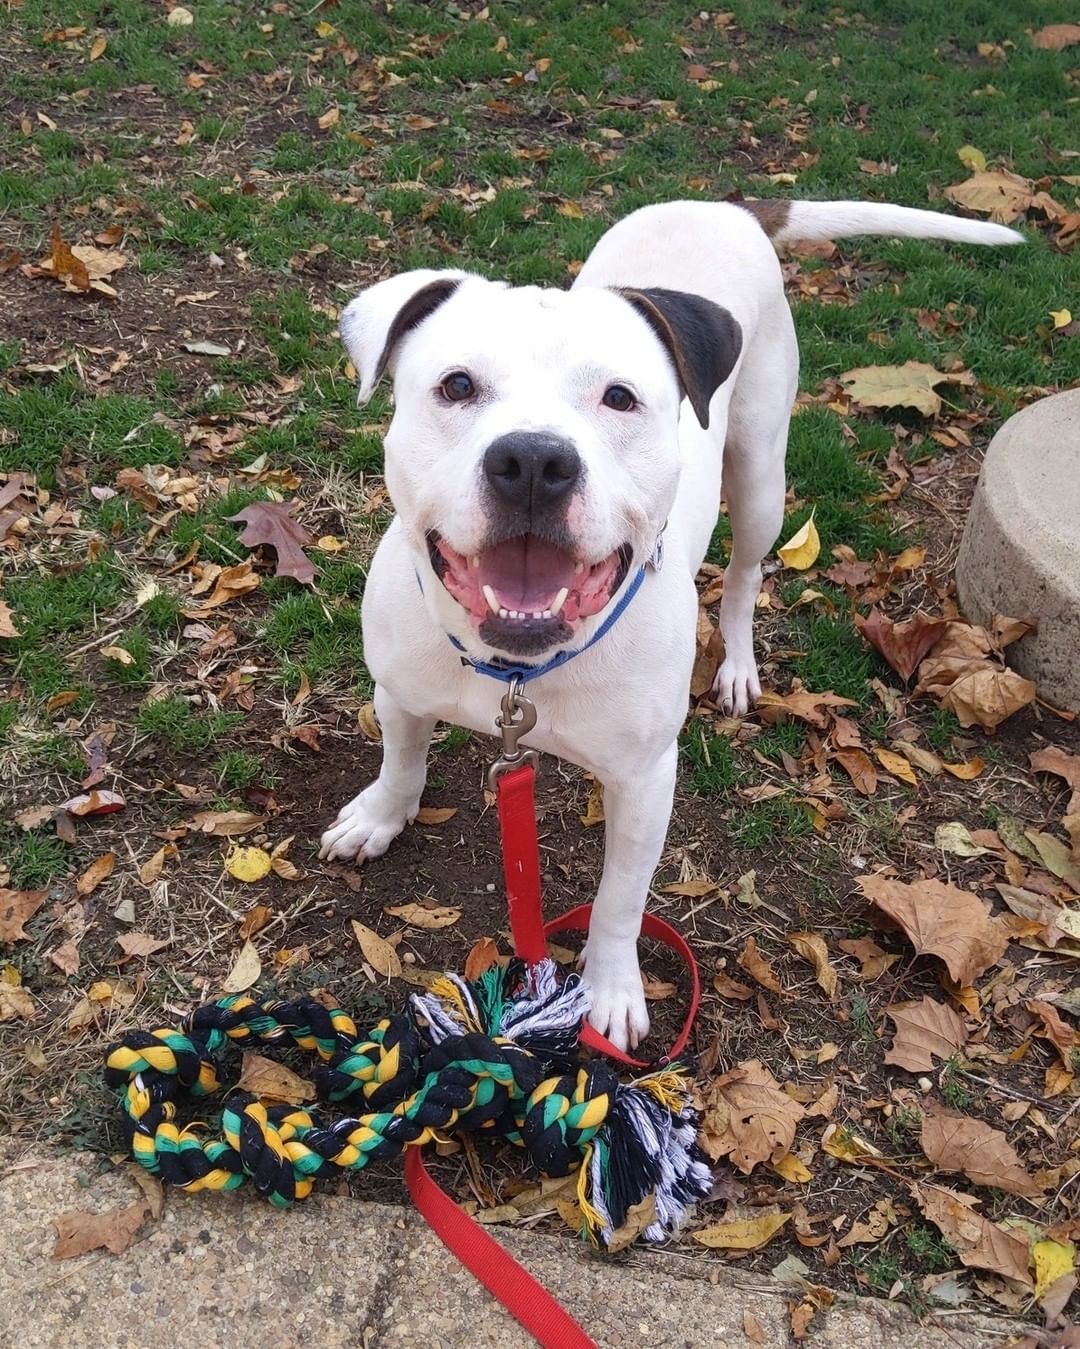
496,1055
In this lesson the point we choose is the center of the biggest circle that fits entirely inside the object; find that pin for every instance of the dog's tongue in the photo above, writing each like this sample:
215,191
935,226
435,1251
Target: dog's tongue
526,574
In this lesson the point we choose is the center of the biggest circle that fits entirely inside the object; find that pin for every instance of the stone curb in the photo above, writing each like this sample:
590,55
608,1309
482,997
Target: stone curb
231,1271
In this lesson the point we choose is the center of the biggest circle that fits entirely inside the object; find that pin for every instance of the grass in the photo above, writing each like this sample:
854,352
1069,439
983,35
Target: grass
175,723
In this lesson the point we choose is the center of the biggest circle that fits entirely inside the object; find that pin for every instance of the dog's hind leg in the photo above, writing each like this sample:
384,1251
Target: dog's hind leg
369,823
754,484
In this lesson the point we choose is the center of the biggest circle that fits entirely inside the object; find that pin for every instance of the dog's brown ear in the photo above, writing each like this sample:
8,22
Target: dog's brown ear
702,339
374,323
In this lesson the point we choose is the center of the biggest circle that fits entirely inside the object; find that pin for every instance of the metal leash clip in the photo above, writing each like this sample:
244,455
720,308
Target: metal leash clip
517,718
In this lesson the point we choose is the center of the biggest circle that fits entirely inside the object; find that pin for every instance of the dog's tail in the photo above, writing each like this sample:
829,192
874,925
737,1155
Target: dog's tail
790,221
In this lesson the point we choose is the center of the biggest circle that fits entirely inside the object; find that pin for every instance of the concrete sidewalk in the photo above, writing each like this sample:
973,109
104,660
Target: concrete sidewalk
230,1271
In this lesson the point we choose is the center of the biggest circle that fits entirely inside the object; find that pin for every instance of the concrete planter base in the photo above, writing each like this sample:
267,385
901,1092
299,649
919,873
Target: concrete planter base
1020,553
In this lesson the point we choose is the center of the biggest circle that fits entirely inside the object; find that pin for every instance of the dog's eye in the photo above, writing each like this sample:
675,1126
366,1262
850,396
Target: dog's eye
457,387
619,398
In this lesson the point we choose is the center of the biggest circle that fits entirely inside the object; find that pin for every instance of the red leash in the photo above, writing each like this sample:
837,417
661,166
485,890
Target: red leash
527,1300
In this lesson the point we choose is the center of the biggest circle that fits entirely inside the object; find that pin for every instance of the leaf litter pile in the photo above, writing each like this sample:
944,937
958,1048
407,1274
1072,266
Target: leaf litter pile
879,869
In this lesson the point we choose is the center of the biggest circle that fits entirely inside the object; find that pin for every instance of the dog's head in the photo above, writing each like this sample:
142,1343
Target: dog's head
533,454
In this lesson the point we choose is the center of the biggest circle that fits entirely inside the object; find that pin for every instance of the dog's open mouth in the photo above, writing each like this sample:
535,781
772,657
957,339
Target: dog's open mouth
526,594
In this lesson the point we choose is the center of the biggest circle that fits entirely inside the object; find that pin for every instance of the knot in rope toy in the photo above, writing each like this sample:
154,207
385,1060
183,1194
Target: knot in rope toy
497,1055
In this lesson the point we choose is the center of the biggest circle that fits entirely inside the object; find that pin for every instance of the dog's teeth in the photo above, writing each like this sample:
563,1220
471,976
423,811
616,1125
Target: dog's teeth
579,567
559,600
546,613
539,613
475,561
504,613
489,595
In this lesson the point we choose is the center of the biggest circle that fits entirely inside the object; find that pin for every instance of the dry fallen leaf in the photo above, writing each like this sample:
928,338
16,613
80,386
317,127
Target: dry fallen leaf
95,873
896,765
225,822
911,385
873,958
638,1218
77,1233
245,971
979,1243
272,1081
731,988
803,549
925,1030
140,943
748,1117
16,908
812,948
66,957
997,193
7,623
803,704
987,696
745,1234
271,523
16,1003
419,915
1056,36
904,645
859,768
94,803
873,1227
435,814
942,920
378,952
483,954
756,965
963,1144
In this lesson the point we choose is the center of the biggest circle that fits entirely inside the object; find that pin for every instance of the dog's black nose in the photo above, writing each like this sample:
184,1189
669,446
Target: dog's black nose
530,470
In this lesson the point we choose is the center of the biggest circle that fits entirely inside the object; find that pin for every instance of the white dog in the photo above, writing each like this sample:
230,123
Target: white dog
544,445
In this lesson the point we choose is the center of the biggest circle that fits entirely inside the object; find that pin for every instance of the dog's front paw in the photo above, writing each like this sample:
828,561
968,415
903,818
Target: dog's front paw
366,826
616,996
736,687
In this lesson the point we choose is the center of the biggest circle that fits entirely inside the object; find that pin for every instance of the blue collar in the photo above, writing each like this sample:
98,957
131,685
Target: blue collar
506,670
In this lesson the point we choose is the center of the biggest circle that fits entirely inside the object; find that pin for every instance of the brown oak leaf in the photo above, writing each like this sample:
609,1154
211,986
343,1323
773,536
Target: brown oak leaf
271,523
978,1242
16,908
925,1030
960,1143
753,1120
904,645
756,965
942,920
77,1233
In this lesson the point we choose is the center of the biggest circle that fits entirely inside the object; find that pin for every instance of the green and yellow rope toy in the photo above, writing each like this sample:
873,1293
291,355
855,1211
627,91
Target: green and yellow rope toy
495,1055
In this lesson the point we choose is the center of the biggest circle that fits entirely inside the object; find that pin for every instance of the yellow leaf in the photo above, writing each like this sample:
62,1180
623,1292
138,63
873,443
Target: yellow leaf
846,1145
244,973
368,724
1062,318
802,549
743,1234
1052,1259
966,772
330,118
330,543
378,952
973,160
248,864
897,765
792,1169
180,17
151,868
435,814
118,654
571,209
910,385
98,47
594,808
325,29
812,948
